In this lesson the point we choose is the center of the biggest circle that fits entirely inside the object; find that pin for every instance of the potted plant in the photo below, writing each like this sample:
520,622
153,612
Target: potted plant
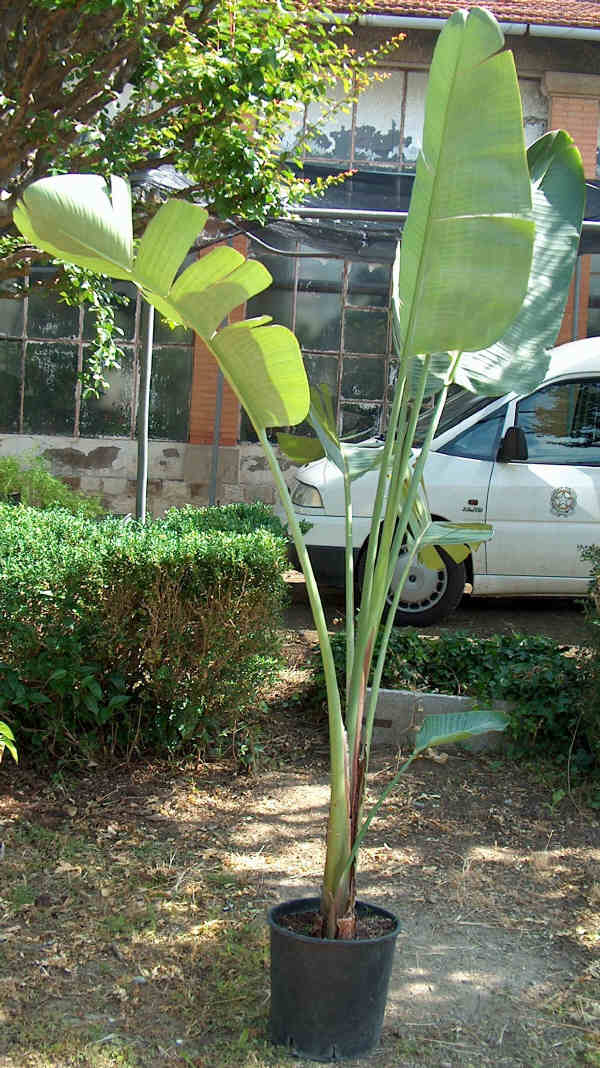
479,288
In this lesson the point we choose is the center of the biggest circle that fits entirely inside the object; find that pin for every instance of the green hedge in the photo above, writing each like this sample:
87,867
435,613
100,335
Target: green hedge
27,480
117,637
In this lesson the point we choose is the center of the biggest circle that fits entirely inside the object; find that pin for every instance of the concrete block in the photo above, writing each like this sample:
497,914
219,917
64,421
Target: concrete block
74,456
175,493
93,484
165,459
399,713
119,504
260,493
229,494
197,463
199,493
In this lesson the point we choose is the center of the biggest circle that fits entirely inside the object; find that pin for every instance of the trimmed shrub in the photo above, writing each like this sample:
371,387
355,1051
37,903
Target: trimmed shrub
537,675
27,480
118,637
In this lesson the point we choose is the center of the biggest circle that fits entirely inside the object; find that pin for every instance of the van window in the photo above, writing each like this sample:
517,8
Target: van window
460,403
562,423
480,441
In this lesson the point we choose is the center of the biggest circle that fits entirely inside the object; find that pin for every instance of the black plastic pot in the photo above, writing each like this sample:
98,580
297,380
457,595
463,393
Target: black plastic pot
328,995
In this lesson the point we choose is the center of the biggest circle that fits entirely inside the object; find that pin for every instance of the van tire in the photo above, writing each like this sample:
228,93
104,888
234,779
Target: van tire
433,594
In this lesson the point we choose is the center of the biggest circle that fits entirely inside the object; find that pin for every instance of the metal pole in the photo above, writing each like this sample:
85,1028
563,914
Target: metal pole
143,410
590,226
576,298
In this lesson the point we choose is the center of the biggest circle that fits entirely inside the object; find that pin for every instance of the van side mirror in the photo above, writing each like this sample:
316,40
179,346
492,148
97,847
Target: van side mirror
513,446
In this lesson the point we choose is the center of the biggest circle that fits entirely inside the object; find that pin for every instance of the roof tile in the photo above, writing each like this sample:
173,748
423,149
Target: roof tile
580,13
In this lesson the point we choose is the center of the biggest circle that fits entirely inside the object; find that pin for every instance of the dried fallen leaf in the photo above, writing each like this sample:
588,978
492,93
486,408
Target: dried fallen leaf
438,758
64,867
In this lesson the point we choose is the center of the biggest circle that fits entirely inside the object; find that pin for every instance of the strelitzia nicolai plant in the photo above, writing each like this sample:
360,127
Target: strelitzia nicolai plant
479,287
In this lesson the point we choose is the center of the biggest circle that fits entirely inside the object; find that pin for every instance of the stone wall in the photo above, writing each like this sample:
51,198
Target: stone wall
178,474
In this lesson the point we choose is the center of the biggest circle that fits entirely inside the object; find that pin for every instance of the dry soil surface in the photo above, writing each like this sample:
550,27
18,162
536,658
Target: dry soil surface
133,901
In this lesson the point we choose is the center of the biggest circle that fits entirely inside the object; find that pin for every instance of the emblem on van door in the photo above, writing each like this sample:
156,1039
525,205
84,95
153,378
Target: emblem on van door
472,505
562,501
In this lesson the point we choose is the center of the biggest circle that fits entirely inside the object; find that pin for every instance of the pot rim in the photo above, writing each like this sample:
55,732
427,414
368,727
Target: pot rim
304,904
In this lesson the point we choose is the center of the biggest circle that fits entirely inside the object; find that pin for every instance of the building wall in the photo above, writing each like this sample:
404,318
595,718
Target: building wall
178,473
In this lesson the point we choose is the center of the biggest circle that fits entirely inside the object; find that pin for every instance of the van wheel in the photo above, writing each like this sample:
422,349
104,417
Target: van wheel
428,595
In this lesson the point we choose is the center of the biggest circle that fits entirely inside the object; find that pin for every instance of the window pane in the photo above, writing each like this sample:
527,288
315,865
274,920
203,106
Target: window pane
562,423
593,319
414,120
318,320
277,300
321,370
363,379
535,109
323,274
318,303
365,331
50,378
124,313
479,442
49,317
163,333
170,388
369,285
10,383
378,115
11,317
364,419
110,414
593,323
334,140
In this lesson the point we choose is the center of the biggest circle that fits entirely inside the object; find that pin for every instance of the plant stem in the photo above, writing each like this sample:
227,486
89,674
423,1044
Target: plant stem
349,626
335,879
399,538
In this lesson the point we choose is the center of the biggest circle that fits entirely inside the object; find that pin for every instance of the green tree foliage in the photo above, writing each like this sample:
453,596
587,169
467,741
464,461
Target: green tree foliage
118,87
92,85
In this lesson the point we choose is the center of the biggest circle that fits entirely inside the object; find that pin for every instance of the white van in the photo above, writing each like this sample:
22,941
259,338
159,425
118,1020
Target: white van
528,465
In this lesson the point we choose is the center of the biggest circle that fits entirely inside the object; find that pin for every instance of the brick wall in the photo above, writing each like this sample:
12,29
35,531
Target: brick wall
575,107
204,388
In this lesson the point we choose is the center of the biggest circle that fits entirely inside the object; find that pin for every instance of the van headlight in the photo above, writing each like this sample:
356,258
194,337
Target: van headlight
305,496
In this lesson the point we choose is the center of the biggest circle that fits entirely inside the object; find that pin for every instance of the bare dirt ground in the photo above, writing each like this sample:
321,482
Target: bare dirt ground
132,901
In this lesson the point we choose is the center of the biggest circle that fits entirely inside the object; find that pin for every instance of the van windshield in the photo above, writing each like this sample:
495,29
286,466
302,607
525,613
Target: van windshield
460,403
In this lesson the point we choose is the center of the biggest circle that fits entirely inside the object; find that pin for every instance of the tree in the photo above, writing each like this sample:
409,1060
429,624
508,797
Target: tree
92,85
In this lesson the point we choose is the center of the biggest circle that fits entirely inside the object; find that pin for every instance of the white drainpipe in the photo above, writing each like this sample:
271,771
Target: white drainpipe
513,29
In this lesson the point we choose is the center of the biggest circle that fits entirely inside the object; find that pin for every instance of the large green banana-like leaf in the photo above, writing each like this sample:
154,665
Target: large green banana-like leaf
210,304
263,365
458,539
7,741
73,218
299,448
165,244
519,360
445,729
467,244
